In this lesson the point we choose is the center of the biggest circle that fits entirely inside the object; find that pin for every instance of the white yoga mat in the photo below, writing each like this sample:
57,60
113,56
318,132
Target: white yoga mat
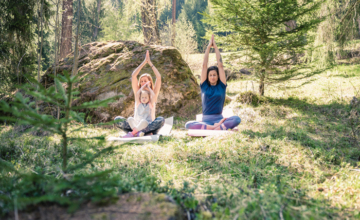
204,133
164,130
151,138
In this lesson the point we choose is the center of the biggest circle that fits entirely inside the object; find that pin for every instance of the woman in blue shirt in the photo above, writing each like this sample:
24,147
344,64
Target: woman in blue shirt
213,92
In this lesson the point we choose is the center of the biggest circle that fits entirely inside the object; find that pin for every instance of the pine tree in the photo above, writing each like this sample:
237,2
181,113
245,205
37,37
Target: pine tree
18,34
258,30
96,28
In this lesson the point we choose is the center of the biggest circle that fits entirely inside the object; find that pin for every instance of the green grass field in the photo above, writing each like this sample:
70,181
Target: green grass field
292,158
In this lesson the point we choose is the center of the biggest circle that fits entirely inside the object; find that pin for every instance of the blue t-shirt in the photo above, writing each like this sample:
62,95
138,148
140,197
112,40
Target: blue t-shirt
213,98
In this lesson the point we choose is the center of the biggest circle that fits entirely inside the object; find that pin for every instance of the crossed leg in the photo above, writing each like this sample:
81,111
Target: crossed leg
224,124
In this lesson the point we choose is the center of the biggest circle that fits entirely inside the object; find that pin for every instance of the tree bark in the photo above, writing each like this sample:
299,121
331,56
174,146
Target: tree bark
66,28
290,25
262,83
173,31
68,107
97,20
358,20
76,53
40,31
149,22
56,51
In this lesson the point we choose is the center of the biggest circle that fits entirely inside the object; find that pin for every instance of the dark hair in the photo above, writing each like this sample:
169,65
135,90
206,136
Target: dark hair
208,71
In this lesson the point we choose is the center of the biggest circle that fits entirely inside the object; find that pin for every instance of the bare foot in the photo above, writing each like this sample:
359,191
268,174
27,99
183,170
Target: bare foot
220,122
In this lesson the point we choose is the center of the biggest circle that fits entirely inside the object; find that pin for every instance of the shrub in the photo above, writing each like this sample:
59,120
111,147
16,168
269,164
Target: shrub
250,98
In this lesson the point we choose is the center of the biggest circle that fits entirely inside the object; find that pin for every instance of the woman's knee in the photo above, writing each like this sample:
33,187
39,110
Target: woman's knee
117,118
232,121
190,124
237,120
161,120
119,121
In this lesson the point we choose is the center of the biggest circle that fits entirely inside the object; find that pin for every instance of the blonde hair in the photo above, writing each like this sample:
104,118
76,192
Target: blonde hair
149,78
147,92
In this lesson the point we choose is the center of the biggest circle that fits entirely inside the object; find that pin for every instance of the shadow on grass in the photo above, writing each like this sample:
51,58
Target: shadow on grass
254,179
321,127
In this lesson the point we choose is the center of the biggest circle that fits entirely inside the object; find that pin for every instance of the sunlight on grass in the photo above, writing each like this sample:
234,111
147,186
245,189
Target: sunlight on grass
293,148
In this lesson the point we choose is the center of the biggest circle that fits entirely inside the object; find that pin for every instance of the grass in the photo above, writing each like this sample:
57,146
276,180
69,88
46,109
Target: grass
292,157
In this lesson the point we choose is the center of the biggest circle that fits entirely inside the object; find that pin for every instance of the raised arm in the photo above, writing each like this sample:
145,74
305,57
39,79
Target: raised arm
152,95
157,85
134,80
206,59
137,97
220,63
137,94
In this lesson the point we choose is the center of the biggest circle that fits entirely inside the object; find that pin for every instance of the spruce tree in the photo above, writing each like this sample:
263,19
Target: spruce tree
259,32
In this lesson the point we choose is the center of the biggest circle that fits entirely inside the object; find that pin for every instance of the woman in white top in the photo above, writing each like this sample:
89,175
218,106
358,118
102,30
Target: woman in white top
145,78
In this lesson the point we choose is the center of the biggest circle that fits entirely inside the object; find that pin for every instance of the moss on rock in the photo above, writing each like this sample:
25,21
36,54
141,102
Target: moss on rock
106,67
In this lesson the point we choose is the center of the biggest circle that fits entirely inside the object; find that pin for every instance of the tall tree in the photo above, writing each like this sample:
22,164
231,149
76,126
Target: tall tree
347,26
261,30
40,43
17,35
76,51
55,49
70,95
173,32
193,9
66,28
96,27
149,22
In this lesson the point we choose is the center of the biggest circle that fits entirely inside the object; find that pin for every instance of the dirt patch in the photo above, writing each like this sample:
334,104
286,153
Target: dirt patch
131,206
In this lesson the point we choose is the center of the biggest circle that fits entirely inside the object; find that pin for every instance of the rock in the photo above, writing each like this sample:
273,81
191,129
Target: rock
131,206
236,74
106,69
245,71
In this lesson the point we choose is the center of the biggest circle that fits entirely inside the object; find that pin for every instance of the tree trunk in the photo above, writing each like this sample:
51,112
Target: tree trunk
76,53
149,22
97,20
56,51
262,84
290,25
358,20
40,31
173,31
66,28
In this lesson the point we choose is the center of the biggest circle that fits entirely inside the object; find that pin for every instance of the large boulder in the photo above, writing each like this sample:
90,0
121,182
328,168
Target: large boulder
106,69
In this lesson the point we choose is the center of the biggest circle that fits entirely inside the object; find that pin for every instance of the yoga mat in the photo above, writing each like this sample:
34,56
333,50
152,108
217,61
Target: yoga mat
204,133
151,138
226,114
164,130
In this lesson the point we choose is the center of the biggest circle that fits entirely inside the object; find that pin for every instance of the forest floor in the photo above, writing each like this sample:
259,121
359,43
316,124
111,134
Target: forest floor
293,156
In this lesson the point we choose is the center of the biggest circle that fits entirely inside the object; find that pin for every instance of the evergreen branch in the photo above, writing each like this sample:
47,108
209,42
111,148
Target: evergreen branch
349,11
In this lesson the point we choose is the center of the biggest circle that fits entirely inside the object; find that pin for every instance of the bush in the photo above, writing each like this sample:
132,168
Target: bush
250,98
